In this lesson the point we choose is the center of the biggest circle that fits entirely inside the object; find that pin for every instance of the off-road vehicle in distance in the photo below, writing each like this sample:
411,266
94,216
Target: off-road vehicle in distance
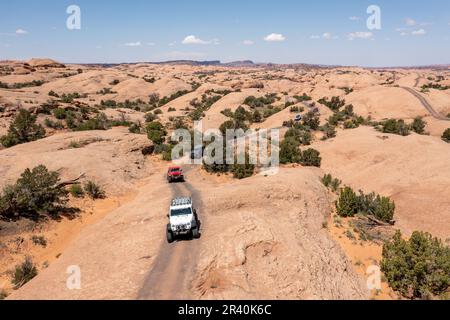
183,219
175,174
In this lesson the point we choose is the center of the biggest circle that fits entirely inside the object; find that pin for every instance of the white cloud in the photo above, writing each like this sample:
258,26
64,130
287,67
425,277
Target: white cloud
420,32
133,44
275,37
21,32
355,18
403,34
327,36
410,22
248,42
193,40
360,35
151,44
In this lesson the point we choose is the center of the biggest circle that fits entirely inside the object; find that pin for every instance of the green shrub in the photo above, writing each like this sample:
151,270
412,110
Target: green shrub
36,193
57,125
446,136
311,158
347,204
167,152
70,97
437,86
303,98
23,129
329,131
93,190
174,96
100,122
34,83
335,104
39,240
242,115
53,94
232,125
59,113
418,125
304,137
384,209
261,102
290,151
311,120
135,128
350,204
326,180
24,272
257,117
331,183
221,167
156,132
242,171
347,90
150,117
76,191
398,127
228,113
418,268
70,120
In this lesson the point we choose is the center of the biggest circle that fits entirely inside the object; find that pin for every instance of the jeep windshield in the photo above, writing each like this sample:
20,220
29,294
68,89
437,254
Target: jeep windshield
180,212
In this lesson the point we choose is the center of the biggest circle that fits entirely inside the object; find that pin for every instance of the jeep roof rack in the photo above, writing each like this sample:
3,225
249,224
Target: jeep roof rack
183,201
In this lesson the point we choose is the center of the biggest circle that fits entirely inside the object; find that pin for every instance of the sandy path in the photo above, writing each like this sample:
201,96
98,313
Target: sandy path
426,104
175,264
417,81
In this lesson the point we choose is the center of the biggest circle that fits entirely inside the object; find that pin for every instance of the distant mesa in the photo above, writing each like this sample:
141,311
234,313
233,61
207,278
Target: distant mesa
244,63
193,63
44,63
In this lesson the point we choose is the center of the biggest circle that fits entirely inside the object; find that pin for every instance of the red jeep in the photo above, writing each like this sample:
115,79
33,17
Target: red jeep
175,174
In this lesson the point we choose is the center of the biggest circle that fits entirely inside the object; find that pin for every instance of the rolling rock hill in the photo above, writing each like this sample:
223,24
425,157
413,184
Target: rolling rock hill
263,237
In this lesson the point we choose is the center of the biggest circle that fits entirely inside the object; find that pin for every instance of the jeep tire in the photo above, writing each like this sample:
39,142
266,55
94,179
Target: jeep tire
195,233
170,236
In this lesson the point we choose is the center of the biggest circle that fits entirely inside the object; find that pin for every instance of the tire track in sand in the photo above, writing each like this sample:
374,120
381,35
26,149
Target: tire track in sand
176,263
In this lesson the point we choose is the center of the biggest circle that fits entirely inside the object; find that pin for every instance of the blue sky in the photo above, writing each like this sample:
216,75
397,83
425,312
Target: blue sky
320,31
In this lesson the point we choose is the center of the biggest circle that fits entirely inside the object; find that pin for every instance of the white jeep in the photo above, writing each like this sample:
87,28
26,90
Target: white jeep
183,219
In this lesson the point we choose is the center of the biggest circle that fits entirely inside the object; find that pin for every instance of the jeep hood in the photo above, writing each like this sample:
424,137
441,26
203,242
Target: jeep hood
180,220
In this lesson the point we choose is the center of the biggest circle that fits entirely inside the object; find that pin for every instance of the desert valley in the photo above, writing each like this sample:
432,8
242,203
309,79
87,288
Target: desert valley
365,154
